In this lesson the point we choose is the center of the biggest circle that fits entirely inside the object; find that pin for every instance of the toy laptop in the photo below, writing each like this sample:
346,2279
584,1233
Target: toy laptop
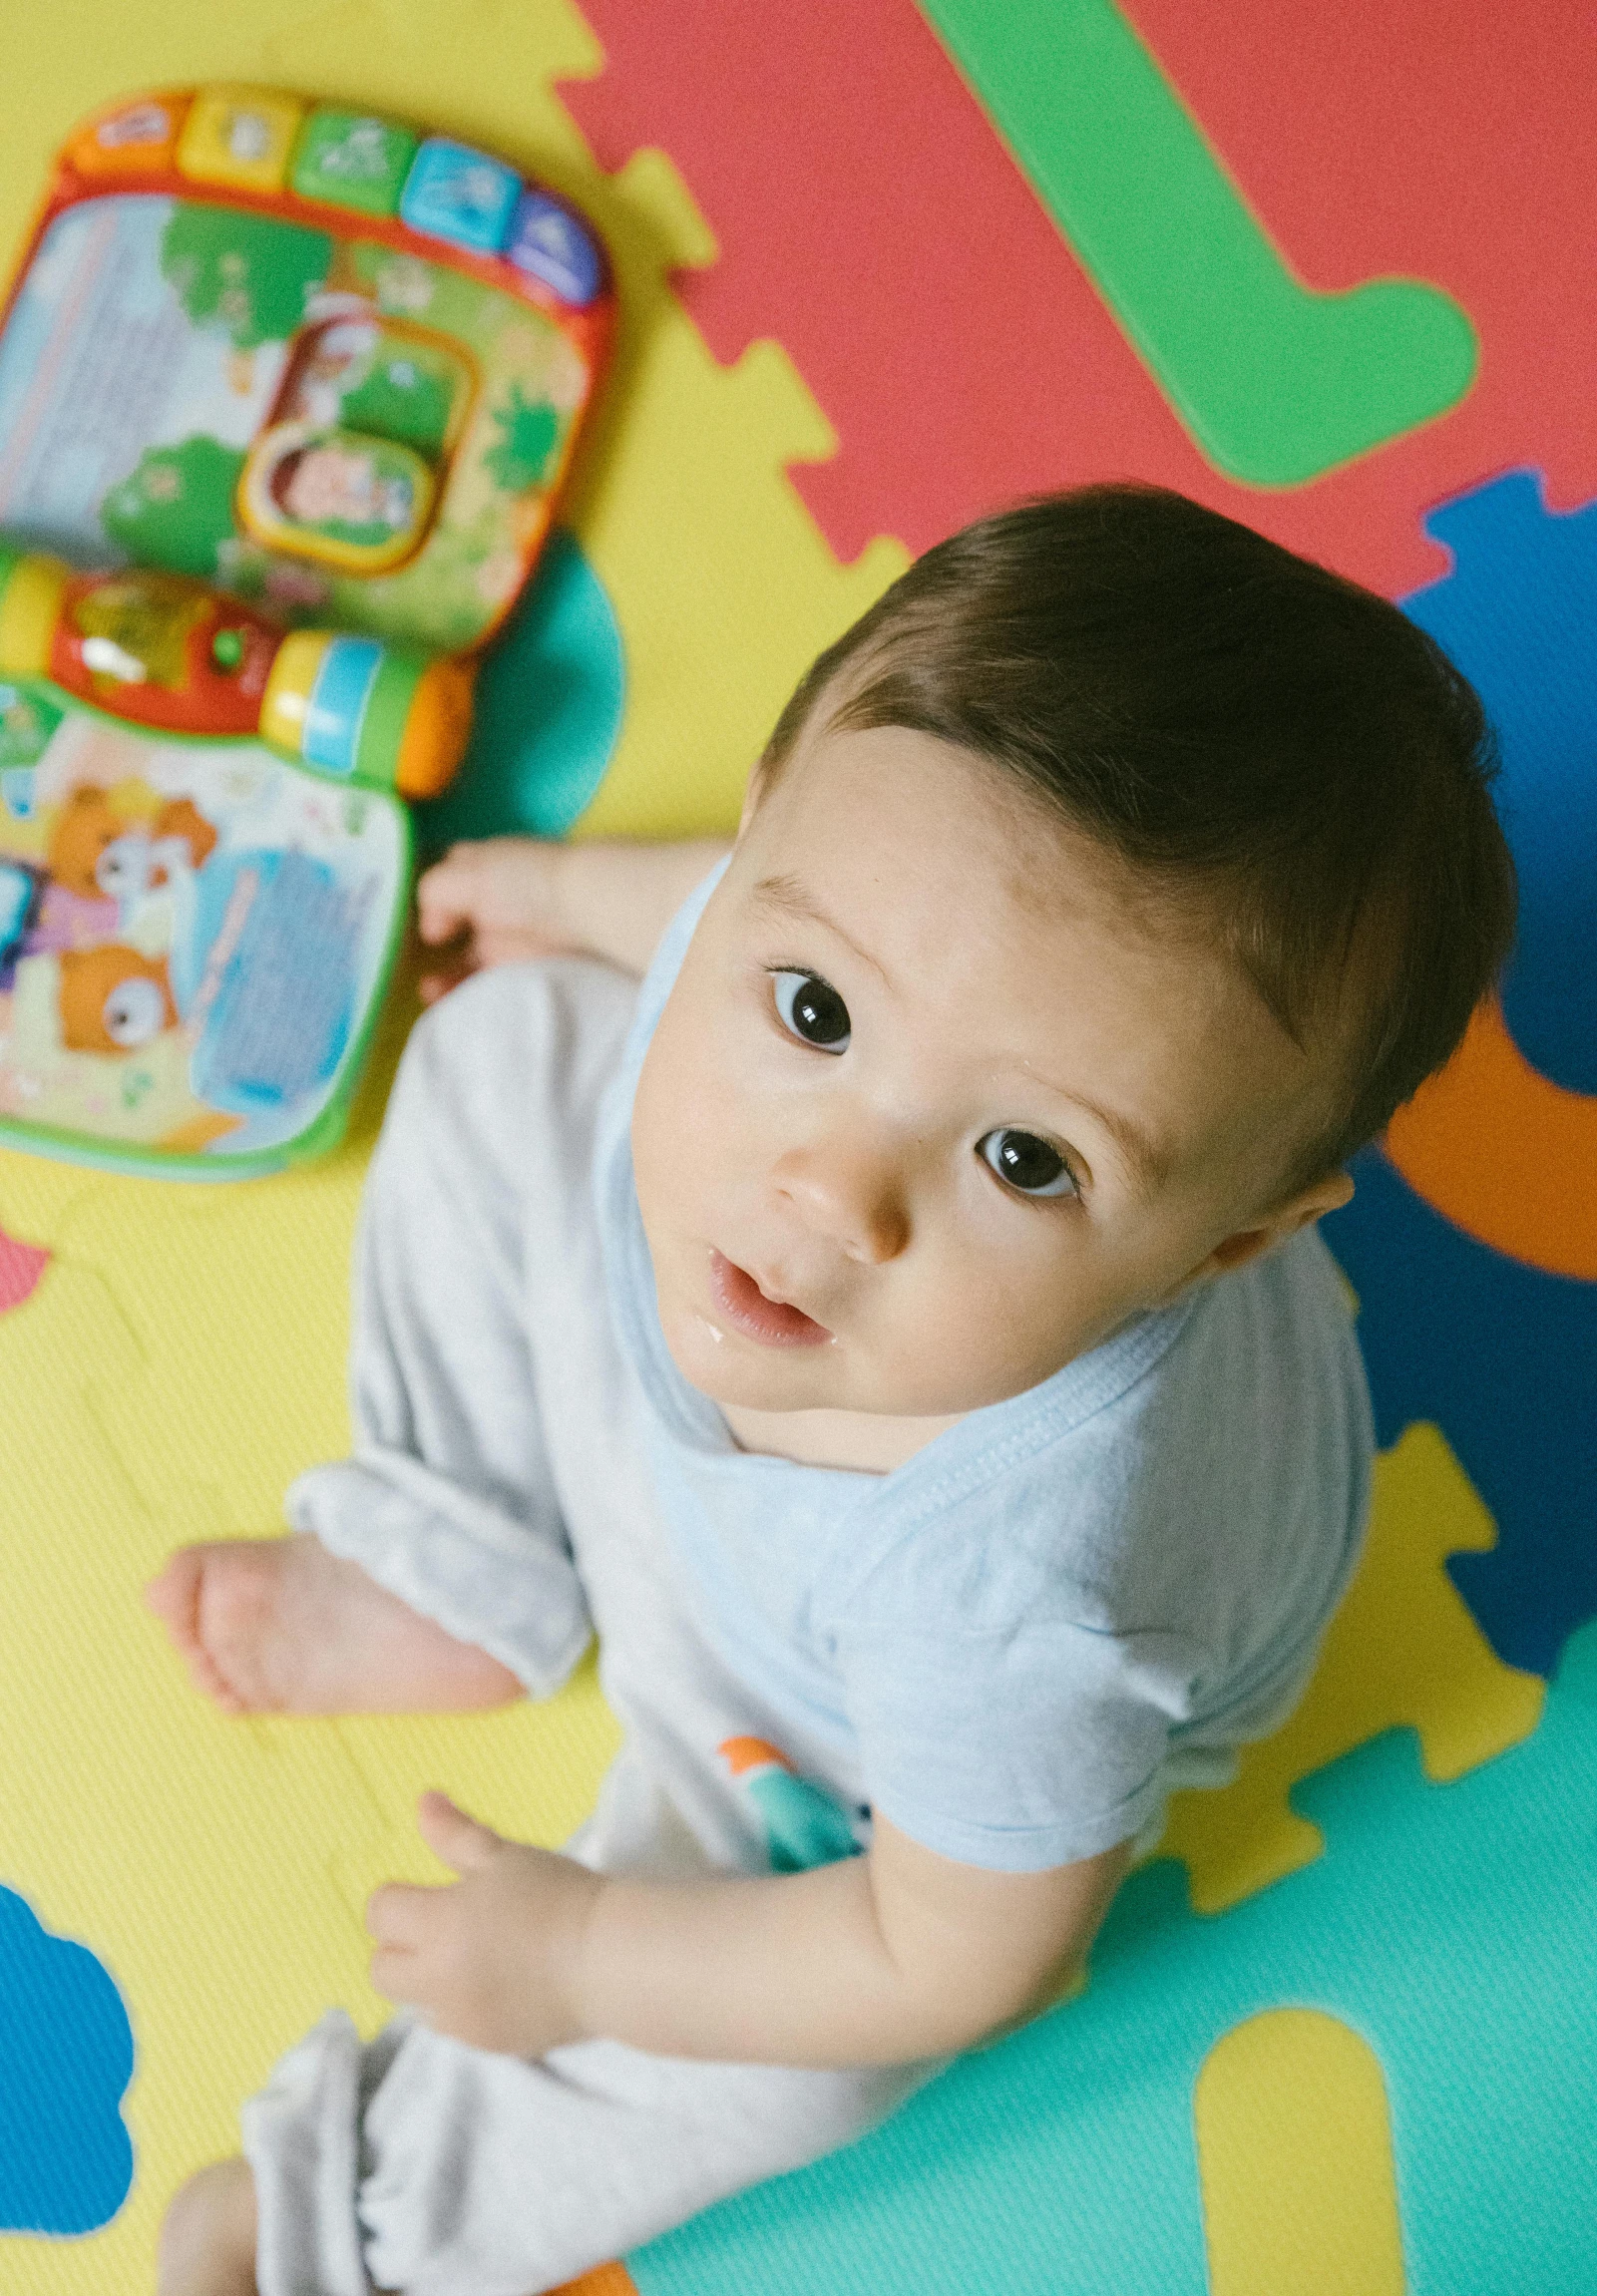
288,395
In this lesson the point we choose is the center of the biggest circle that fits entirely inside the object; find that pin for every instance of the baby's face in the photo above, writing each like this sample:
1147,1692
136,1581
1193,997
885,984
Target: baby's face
933,1107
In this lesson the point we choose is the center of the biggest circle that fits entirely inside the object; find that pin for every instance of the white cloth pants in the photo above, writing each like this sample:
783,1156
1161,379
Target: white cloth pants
500,1485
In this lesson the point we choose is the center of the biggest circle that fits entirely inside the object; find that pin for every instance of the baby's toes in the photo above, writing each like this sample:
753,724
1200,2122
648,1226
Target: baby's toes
237,1656
173,1596
211,1684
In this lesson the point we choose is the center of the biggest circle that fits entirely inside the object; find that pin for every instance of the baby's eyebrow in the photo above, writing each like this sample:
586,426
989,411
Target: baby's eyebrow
1150,1166
787,895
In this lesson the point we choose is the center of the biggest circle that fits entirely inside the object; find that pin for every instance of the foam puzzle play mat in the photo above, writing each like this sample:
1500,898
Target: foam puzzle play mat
387,388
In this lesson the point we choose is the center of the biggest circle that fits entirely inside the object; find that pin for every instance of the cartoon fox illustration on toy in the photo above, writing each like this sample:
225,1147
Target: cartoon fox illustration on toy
112,999
102,906
94,850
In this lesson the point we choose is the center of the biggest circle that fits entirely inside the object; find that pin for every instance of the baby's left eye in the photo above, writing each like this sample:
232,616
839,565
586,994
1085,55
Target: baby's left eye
812,1010
1028,1163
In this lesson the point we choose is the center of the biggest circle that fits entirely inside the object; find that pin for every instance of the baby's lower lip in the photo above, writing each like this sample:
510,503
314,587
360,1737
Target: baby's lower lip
772,1321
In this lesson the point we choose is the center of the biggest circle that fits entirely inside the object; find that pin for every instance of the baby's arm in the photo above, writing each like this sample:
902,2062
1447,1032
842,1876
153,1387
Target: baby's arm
883,1959
508,898
897,1955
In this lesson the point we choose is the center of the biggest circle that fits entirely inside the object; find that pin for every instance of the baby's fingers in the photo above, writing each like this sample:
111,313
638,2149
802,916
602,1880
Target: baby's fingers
395,1975
460,1840
413,1955
445,896
432,985
396,1915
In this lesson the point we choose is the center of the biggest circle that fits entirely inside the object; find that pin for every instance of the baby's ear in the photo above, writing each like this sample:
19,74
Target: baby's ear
1298,1211
1314,1202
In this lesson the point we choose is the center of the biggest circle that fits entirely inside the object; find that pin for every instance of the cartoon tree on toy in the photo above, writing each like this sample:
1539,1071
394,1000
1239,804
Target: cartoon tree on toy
175,508
245,273
526,429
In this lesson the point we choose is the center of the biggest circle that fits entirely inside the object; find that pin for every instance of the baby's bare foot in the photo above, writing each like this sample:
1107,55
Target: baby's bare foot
280,1625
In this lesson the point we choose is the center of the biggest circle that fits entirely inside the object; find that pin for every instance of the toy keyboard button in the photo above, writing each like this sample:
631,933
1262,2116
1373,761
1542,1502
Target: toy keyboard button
136,140
452,193
351,160
239,136
338,702
548,243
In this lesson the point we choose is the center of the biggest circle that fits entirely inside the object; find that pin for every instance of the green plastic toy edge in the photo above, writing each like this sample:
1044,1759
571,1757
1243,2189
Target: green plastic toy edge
382,725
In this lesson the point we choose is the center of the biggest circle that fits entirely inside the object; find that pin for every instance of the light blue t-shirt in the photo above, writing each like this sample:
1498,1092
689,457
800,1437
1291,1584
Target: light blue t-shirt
1067,1604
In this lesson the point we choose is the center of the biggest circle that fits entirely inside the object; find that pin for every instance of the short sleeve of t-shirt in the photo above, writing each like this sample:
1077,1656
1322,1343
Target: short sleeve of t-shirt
1037,1654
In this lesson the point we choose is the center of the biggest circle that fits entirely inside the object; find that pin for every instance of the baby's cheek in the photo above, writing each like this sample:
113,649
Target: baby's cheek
1028,1321
673,1149
686,1112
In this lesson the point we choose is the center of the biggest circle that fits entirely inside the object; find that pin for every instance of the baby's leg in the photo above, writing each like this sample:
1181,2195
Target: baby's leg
208,2241
483,2175
435,1570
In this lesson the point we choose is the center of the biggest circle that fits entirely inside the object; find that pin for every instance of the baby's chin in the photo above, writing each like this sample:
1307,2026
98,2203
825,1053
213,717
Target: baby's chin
730,1369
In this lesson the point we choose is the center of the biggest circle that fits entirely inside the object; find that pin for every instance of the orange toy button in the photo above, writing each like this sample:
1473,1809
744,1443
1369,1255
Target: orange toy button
136,140
239,136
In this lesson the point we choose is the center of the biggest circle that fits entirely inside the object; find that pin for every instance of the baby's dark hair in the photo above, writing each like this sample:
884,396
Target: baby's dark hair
1263,742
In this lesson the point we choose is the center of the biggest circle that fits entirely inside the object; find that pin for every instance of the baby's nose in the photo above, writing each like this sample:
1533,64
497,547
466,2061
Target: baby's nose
854,1199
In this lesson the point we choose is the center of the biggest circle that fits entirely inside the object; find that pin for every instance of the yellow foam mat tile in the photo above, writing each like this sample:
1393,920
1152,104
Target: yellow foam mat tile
184,1355
1403,1649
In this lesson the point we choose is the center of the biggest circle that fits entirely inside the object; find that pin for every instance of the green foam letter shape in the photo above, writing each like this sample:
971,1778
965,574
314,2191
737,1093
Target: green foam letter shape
1275,382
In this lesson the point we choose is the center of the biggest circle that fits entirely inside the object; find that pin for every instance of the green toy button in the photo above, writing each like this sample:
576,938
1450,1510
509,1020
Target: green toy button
352,160
227,648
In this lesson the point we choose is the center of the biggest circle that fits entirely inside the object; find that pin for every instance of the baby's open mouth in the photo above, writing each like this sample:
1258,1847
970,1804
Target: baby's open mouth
774,1322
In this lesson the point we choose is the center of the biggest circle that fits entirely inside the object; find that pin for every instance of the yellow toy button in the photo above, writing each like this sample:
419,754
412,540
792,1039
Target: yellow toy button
239,136
286,700
136,140
32,587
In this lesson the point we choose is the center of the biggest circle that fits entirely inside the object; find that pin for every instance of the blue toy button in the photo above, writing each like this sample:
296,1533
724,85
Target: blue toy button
339,703
454,192
551,245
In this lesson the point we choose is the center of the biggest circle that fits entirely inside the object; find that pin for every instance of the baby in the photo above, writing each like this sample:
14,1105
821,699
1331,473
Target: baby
897,1330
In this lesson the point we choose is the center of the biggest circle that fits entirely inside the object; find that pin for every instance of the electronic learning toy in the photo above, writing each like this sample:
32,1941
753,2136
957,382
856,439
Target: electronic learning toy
300,386
194,931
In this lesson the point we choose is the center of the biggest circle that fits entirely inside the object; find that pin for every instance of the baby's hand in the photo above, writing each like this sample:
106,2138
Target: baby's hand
492,1958
496,902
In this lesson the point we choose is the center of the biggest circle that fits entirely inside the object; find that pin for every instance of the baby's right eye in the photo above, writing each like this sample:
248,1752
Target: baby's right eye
812,1010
